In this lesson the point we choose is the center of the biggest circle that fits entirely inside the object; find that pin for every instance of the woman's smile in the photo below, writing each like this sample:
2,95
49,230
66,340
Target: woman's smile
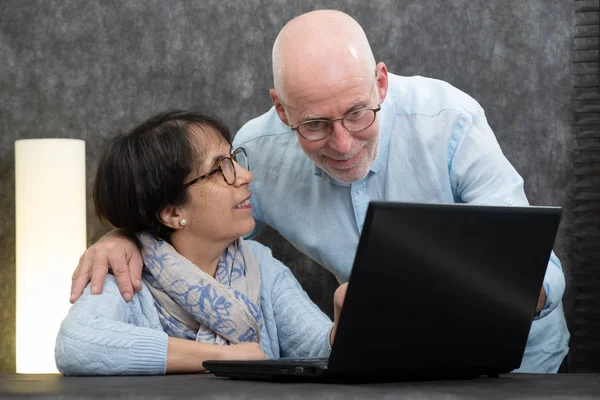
244,204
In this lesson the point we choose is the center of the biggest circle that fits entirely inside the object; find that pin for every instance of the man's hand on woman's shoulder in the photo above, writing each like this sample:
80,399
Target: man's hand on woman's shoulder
113,251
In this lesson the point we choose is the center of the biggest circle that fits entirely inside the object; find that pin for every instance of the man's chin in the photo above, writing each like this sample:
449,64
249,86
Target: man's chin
346,175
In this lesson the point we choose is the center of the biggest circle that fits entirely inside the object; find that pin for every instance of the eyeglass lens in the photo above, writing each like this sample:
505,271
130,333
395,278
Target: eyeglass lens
239,155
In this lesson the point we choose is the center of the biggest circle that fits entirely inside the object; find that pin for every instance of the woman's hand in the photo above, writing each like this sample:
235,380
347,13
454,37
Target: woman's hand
185,356
338,303
242,351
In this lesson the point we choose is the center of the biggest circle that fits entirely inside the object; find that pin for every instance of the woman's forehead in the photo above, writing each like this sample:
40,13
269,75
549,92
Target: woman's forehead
207,139
209,146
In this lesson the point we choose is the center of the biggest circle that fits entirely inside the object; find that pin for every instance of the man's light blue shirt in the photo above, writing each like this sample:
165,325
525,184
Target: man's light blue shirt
435,147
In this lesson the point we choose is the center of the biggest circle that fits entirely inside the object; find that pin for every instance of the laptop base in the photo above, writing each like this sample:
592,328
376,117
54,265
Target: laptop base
299,371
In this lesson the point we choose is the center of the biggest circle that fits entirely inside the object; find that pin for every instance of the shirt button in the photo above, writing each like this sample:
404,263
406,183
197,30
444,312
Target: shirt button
509,201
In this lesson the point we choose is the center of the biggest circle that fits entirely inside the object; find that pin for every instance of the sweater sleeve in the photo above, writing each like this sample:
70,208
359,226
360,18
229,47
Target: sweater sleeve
302,328
104,335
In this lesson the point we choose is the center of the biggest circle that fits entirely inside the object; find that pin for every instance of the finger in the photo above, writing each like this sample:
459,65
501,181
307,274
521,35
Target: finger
80,278
118,264
135,270
541,301
99,272
340,295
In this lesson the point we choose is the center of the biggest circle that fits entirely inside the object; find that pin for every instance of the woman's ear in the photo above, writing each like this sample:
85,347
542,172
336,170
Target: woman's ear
172,217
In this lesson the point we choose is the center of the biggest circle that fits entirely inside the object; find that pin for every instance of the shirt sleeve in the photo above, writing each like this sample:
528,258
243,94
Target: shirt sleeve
104,335
481,174
302,328
554,286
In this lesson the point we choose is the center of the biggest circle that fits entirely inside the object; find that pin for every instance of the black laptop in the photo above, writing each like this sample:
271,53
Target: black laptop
437,291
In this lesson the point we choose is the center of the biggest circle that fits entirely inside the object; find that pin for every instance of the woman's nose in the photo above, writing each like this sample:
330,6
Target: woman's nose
243,176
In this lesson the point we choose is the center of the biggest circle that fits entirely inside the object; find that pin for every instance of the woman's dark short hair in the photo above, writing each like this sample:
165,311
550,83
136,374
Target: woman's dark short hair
143,171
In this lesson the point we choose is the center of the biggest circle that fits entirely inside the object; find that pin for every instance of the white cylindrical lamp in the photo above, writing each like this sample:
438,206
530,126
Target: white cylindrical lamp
50,237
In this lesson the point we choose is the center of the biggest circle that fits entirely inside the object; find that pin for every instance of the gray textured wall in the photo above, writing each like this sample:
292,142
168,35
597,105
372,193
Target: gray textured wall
88,69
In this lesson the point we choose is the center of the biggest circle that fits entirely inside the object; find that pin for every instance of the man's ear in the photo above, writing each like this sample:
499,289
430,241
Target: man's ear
382,81
171,217
279,107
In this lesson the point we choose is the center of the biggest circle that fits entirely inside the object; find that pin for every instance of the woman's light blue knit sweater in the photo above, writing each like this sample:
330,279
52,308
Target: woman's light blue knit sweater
104,335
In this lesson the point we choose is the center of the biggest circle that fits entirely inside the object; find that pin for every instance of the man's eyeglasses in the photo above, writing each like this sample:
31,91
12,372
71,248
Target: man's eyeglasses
226,167
354,121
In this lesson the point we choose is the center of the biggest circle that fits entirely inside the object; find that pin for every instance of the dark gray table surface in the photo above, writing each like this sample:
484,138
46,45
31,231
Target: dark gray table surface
206,386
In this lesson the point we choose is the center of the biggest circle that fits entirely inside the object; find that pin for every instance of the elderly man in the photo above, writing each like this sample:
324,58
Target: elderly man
344,131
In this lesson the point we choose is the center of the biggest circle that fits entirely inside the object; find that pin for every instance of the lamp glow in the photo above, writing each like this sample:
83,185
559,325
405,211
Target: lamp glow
50,238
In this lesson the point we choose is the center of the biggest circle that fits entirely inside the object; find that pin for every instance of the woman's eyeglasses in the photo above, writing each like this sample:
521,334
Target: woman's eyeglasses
226,167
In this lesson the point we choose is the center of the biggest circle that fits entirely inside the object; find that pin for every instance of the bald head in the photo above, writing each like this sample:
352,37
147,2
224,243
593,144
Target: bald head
324,44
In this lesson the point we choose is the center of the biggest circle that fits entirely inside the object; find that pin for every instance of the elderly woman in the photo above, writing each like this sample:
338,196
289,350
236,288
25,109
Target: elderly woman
175,183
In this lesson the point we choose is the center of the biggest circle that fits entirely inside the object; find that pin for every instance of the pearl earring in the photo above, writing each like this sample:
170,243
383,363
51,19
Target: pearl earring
183,222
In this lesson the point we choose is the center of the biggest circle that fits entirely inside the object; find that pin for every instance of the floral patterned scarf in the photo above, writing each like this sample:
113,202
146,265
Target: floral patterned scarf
194,305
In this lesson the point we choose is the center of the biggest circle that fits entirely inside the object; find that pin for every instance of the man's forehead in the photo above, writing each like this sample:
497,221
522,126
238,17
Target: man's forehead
336,98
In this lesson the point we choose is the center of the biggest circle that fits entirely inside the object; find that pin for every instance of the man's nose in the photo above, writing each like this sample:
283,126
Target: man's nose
340,139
